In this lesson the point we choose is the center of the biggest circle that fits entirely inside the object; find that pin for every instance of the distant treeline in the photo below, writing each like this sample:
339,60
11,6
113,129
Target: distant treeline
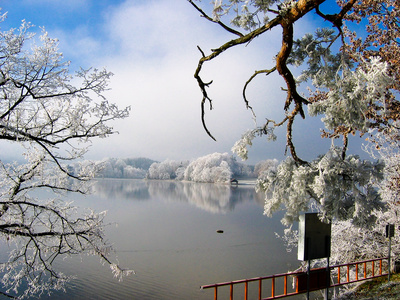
216,167
135,168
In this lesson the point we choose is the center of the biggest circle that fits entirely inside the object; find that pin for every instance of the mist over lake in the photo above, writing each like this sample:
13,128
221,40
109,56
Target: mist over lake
167,233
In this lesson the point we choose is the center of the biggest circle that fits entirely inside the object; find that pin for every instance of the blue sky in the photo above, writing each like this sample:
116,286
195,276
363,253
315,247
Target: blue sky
151,47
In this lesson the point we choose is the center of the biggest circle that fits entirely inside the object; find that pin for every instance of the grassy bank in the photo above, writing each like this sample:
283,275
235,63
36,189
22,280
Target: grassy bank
378,288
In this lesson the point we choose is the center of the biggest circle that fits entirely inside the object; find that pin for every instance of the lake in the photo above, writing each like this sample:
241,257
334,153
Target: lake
167,233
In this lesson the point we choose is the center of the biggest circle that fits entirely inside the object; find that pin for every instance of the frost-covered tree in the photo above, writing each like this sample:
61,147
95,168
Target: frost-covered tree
135,168
168,169
215,167
51,115
341,189
352,76
240,169
132,172
265,166
210,168
139,162
360,243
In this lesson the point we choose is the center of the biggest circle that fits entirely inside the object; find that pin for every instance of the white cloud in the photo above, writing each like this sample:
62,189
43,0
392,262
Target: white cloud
156,47
151,47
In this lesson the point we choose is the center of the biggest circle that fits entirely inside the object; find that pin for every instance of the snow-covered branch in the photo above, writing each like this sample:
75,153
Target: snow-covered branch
52,120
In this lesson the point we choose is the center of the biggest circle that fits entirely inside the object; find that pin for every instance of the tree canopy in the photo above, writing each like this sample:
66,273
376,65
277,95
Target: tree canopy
351,70
52,115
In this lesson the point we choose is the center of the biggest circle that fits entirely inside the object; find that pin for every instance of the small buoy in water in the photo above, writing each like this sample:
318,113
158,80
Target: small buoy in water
220,231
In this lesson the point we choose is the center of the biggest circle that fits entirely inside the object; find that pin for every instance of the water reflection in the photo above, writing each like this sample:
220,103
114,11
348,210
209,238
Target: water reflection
121,189
214,198
167,233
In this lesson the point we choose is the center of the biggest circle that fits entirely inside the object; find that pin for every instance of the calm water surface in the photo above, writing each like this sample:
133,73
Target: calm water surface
167,233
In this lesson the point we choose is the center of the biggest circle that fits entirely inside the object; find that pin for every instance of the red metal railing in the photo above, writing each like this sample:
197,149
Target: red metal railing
260,280
368,271
352,272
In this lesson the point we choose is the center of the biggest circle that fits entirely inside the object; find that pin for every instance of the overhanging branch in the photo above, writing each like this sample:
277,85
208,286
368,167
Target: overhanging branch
267,72
204,15
216,52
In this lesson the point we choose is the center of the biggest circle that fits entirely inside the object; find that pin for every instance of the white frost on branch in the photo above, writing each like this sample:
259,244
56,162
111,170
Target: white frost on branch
352,93
286,6
240,146
52,119
120,273
248,14
342,189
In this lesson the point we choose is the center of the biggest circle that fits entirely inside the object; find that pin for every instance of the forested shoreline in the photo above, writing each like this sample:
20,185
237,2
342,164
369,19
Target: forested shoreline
215,167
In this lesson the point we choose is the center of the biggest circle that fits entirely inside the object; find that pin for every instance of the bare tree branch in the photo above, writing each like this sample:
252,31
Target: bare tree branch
203,14
286,21
267,72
